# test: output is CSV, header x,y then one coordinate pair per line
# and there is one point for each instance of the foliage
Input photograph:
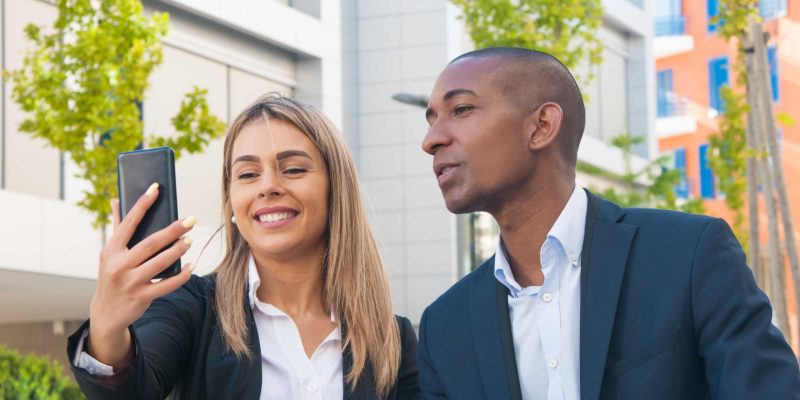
x,y
566,29
32,377
728,158
728,151
661,191
82,85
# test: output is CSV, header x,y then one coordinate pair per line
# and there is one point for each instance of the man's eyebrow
x,y
455,92
449,95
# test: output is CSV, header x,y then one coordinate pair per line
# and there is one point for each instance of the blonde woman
x,y
298,308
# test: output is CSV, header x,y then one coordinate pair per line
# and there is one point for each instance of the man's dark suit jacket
x,y
669,310
179,350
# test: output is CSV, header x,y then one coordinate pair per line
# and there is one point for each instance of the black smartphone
x,y
136,171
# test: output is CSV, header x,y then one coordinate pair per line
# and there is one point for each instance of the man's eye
x,y
247,175
462,109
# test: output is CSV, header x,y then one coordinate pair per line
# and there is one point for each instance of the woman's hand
x,y
124,288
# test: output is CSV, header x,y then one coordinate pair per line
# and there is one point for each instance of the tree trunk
x,y
760,112
754,256
771,141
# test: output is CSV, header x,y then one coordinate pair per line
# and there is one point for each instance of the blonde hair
x,y
355,282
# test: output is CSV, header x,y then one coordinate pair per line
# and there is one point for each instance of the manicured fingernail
x,y
187,240
189,266
189,222
152,189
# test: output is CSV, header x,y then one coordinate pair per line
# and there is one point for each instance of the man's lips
x,y
444,171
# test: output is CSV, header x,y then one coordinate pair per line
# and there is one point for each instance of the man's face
x,y
476,137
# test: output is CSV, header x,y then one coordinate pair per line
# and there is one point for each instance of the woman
x,y
298,308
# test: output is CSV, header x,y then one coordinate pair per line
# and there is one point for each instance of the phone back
x,y
136,171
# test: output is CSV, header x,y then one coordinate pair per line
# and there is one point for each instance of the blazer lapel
x,y
365,388
603,260
491,336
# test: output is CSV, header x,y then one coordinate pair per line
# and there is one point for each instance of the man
x,y
583,299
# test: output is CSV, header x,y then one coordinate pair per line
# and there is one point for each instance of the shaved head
x,y
530,78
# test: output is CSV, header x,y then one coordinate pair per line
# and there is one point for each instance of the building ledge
x,y
677,125
668,46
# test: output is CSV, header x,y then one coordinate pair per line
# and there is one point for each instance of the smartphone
x,y
136,171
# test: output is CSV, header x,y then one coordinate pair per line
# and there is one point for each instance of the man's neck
x,y
524,225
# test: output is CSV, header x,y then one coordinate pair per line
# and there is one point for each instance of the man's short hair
x,y
530,78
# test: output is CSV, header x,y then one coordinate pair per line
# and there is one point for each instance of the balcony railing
x,y
670,25
670,105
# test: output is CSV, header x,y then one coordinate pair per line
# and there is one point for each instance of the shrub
x,y
33,377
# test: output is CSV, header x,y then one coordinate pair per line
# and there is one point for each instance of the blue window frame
x,y
772,58
669,18
664,93
706,175
712,10
717,78
772,8
682,188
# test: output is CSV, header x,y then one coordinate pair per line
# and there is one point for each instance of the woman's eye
x,y
247,175
294,171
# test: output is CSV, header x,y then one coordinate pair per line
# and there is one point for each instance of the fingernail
x,y
152,189
189,266
189,222
187,240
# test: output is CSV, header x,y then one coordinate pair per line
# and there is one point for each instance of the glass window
x,y
772,58
682,188
706,175
664,94
717,78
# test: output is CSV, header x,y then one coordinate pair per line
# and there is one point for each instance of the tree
x,y
565,29
82,85
660,193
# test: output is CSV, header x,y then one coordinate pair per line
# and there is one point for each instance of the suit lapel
x,y
491,336
603,260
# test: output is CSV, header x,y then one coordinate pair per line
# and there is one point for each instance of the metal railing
x,y
670,25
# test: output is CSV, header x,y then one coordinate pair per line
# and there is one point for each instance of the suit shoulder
x,y
455,298
656,218
198,289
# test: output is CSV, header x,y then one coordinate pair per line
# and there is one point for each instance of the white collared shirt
x,y
545,320
286,370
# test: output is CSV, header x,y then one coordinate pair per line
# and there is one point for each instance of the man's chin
x,y
459,205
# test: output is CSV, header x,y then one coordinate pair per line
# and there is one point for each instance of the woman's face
x,y
279,190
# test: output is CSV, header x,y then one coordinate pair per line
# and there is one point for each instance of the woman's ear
x,y
544,125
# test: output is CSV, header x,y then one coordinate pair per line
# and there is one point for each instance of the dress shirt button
x,y
553,363
311,387
573,257
547,297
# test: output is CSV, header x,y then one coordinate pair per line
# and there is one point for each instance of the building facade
x,y
693,63
351,57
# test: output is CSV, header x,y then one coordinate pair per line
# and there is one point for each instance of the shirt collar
x,y
567,231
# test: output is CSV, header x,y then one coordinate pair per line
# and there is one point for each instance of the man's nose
x,y
436,137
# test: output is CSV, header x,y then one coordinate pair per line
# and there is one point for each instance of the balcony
x,y
671,37
674,117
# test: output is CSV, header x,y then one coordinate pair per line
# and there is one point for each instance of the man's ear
x,y
544,126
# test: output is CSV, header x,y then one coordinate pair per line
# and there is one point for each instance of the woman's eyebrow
x,y
292,153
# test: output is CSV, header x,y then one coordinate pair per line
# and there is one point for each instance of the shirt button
x,y
311,387
553,363
573,257
547,297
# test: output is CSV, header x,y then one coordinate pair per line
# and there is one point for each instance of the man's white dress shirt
x,y
545,320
